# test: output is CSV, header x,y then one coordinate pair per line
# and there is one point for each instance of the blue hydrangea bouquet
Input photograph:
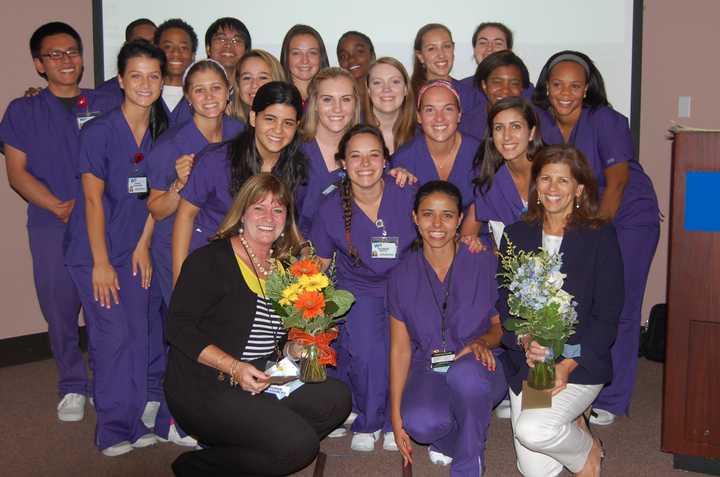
x,y
543,310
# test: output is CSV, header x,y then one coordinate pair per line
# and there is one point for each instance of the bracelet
x,y
176,187
234,382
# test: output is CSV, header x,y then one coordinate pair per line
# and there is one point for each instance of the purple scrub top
x,y
501,201
48,133
181,139
109,152
112,88
183,112
415,157
470,305
208,188
603,136
369,277
320,184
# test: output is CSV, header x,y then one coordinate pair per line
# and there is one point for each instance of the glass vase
x,y
311,371
542,376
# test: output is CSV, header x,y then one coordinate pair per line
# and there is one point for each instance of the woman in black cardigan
x,y
222,333
561,218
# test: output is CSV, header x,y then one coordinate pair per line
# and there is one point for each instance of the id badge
x,y
384,247
329,189
440,361
83,118
138,185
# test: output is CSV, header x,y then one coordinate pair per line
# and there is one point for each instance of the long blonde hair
x,y
238,109
254,190
310,121
404,127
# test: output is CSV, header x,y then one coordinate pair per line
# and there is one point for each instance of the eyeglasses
x,y
223,40
57,55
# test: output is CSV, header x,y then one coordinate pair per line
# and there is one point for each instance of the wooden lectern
x,y
691,404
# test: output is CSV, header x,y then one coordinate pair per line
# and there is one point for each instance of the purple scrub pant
x,y
451,411
119,350
637,247
60,305
362,362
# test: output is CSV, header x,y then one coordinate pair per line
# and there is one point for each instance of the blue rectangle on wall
x,y
702,204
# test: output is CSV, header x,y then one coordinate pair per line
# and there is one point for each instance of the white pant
x,y
546,440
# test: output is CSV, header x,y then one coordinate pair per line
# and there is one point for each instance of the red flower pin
x,y
82,101
139,156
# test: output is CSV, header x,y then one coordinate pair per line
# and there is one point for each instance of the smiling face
x,y
142,81
336,104
489,40
386,88
254,72
177,45
354,56
226,47
557,189
264,221
303,57
566,87
437,54
364,161
439,114
511,134
275,128
437,218
503,82
64,70
208,93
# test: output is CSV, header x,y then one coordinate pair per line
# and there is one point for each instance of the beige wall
x,y
678,60
20,313
675,35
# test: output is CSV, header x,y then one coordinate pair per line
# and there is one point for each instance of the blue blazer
x,y
594,269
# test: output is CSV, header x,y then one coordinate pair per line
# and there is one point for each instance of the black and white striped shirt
x,y
267,329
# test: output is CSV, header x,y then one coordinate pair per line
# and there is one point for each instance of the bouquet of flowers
x,y
543,309
310,306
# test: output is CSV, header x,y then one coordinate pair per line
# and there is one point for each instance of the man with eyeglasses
x,y
226,41
40,137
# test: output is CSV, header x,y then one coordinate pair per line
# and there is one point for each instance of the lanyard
x,y
442,309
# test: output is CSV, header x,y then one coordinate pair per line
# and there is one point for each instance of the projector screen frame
x,y
635,75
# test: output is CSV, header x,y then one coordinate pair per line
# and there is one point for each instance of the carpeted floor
x,y
34,443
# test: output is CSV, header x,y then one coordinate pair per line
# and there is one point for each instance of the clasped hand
x,y
535,352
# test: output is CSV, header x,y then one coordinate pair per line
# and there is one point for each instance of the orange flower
x,y
311,304
304,267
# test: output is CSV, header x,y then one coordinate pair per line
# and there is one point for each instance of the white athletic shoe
x,y
117,449
338,432
150,413
174,437
350,419
71,407
502,411
601,417
364,441
438,458
389,443
147,440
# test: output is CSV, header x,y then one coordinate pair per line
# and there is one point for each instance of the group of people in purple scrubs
x,y
407,181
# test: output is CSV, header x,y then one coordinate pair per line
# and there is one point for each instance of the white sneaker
x,y
117,449
174,437
502,411
150,413
601,417
147,440
338,432
389,443
71,407
364,441
350,419
438,458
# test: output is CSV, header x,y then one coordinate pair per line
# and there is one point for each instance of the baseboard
x,y
693,463
30,348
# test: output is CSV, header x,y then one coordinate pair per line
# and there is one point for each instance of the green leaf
x,y
343,299
512,324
